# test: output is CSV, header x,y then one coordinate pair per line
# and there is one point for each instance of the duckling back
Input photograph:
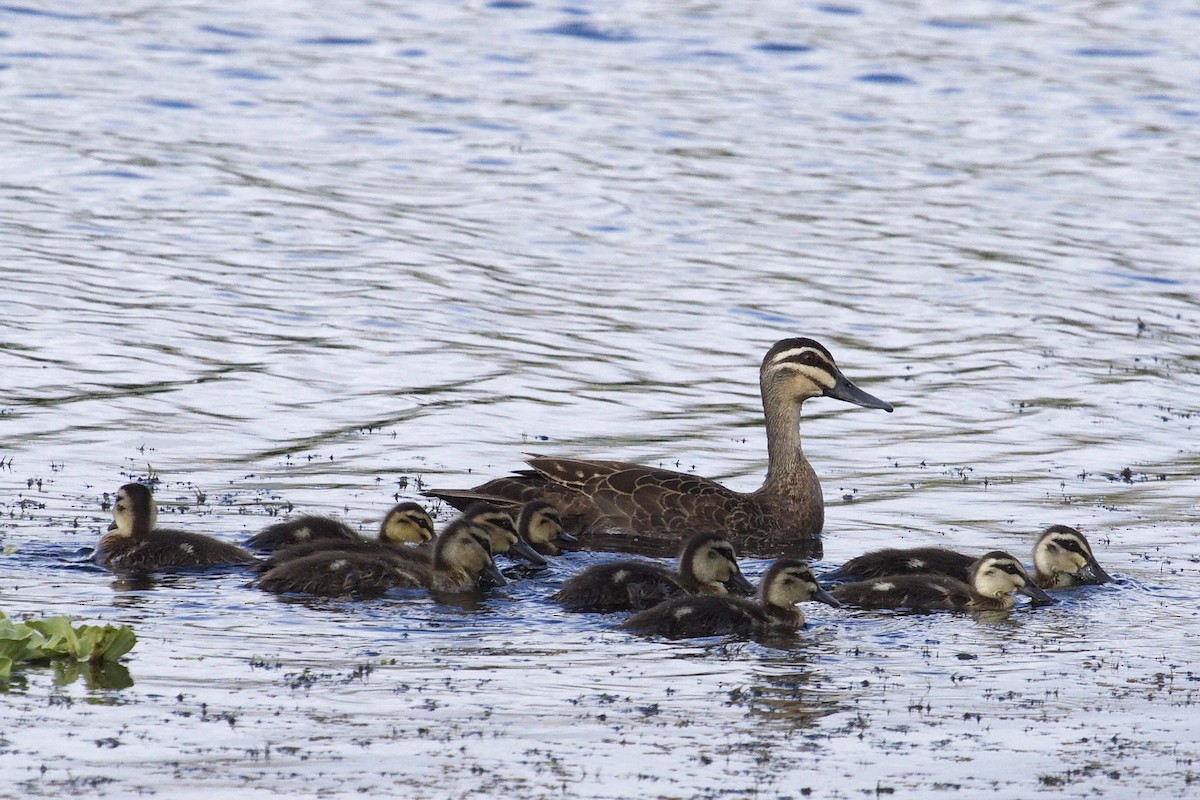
x,y
329,573
299,530
904,561
626,585
692,616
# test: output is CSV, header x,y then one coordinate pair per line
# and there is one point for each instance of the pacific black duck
x,y
1062,557
461,561
785,583
405,523
133,543
617,505
707,565
993,579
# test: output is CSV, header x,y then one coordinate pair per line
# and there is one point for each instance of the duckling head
x,y
465,547
498,526
710,559
406,523
135,513
541,524
790,581
1063,557
997,575
797,369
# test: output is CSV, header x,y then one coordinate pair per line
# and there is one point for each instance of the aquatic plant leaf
x,y
61,639
113,642
6,665
18,641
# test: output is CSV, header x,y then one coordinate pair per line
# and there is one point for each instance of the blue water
x,y
311,259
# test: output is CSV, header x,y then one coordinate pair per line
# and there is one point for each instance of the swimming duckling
x,y
461,561
786,583
134,544
405,523
1061,557
994,578
497,525
707,565
541,526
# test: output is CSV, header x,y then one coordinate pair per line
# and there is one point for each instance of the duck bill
x,y
1092,572
523,550
1036,594
847,392
565,538
738,584
822,596
492,575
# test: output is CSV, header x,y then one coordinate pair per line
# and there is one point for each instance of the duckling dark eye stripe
x,y
1070,544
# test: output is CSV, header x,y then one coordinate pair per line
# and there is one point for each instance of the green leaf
x,y
6,665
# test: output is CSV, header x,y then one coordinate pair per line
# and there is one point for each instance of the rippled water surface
x,y
304,257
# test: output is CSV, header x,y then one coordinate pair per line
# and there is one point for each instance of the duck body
x,y
406,531
133,543
994,577
707,565
329,573
787,582
616,505
1062,557
405,522
893,562
460,561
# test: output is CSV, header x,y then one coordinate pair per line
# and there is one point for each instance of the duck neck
x,y
785,458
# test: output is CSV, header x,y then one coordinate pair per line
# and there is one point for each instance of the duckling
x,y
612,502
1061,557
497,525
404,523
461,561
994,578
786,583
707,565
134,544
541,526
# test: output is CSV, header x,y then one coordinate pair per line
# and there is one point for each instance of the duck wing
x,y
916,592
904,561
618,586
606,501
700,615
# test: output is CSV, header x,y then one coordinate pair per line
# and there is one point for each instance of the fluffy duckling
x,y
461,561
405,523
406,527
134,544
786,583
541,526
707,565
1062,557
994,578
497,525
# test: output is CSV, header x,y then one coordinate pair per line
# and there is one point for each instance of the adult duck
x,y
616,505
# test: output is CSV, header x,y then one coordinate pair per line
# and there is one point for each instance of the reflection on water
x,y
289,262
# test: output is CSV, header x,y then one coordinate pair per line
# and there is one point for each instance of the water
x,y
285,259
